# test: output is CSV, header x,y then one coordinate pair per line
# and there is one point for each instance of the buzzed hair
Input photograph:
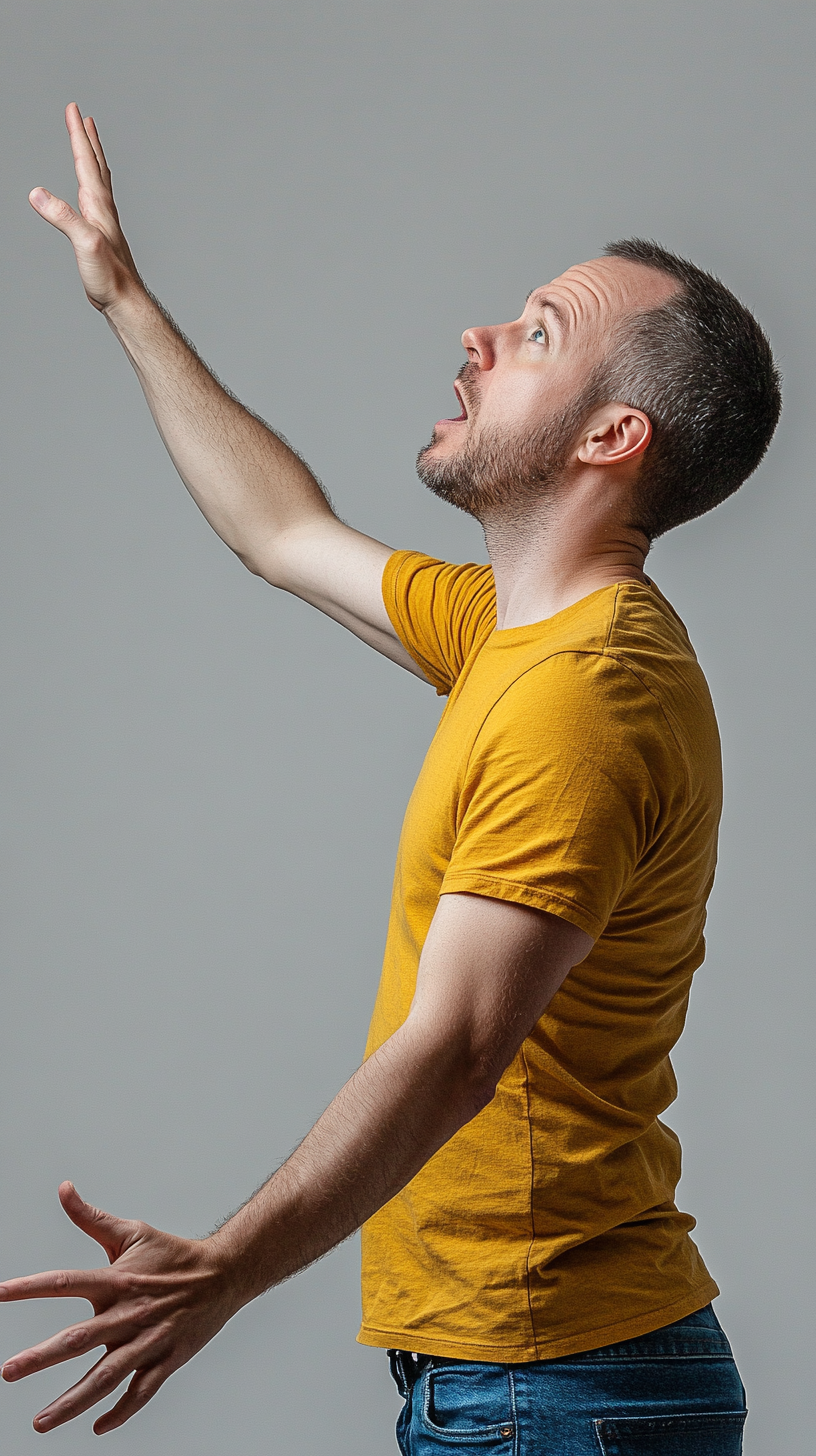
x,y
702,369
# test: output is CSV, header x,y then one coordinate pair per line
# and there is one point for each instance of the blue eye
x,y
539,336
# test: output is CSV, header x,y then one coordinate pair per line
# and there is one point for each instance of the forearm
x,y
247,481
488,971
255,491
397,1110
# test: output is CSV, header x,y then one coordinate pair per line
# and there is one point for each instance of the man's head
x,y
638,361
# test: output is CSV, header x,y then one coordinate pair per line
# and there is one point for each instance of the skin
x,y
488,969
546,557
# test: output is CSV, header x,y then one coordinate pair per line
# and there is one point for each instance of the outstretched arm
x,y
487,972
255,491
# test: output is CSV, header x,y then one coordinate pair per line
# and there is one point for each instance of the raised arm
x,y
487,972
255,491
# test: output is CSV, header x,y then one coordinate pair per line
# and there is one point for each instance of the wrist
x,y
236,1262
131,309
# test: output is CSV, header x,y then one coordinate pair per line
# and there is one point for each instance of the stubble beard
x,y
501,470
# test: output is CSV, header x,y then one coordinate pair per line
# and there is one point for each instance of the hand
x,y
105,262
161,1300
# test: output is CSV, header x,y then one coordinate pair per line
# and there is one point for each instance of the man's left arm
x,y
488,971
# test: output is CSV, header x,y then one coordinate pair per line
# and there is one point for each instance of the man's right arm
x,y
255,491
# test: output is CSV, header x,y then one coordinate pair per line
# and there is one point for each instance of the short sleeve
x,y
439,611
569,779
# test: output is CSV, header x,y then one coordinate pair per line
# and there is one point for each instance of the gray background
x,y
204,781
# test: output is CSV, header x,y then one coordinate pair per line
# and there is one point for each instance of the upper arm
x,y
564,790
489,969
339,571
425,614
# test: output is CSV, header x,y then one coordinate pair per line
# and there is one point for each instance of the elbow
x,y
477,1081
252,563
454,1066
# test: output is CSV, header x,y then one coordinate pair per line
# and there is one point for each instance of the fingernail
x,y
43,1423
40,195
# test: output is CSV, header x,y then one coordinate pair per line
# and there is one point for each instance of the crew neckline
x,y
510,634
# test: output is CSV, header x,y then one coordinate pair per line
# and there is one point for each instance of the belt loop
x,y
396,1360
406,1369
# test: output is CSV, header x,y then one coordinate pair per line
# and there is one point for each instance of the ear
x,y
614,433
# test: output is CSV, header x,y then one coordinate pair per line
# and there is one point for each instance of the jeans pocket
x,y
465,1403
708,1433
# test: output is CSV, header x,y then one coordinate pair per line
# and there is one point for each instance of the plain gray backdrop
x,y
204,781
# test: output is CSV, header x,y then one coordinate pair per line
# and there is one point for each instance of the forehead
x,y
598,292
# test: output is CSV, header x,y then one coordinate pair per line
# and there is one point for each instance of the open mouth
x,y
454,419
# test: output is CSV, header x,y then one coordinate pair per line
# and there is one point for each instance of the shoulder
x,y
583,719
583,697
439,610
569,684
621,655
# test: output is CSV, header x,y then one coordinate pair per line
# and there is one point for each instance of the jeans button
x,y
505,1430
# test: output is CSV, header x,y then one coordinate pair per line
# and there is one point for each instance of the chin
x,y
440,450
441,472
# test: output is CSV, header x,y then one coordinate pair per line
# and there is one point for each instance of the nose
x,y
480,344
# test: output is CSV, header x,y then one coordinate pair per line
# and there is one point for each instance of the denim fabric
x,y
675,1392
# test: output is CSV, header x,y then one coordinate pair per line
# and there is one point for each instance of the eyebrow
x,y
548,303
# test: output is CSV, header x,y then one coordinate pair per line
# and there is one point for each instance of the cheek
x,y
521,400
517,403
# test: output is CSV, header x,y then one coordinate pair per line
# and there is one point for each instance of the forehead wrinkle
x,y
595,293
568,309
587,293
624,285
543,302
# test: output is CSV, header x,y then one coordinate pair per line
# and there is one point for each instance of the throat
x,y
540,568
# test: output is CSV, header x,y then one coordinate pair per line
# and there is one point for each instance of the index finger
x,y
88,171
60,1284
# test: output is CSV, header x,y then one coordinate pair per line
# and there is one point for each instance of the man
x,y
524,1260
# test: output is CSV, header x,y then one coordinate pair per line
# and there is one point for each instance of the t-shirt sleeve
x,y
567,785
439,611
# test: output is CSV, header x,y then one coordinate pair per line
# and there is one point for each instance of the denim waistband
x,y
699,1334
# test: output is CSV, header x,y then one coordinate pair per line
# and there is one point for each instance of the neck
x,y
550,554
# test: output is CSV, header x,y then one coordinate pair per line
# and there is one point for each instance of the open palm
x,y
160,1300
105,261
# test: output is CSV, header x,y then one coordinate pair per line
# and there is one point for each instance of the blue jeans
x,y
675,1392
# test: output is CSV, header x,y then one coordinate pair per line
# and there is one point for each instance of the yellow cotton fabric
x,y
576,768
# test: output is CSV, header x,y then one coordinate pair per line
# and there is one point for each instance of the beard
x,y
501,470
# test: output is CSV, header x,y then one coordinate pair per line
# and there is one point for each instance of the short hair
x,y
702,369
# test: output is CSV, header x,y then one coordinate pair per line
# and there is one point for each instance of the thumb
x,y
59,214
114,1234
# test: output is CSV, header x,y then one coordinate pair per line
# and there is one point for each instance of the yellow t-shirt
x,y
576,768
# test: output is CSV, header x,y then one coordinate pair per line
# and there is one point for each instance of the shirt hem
x,y
523,1353
495,887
